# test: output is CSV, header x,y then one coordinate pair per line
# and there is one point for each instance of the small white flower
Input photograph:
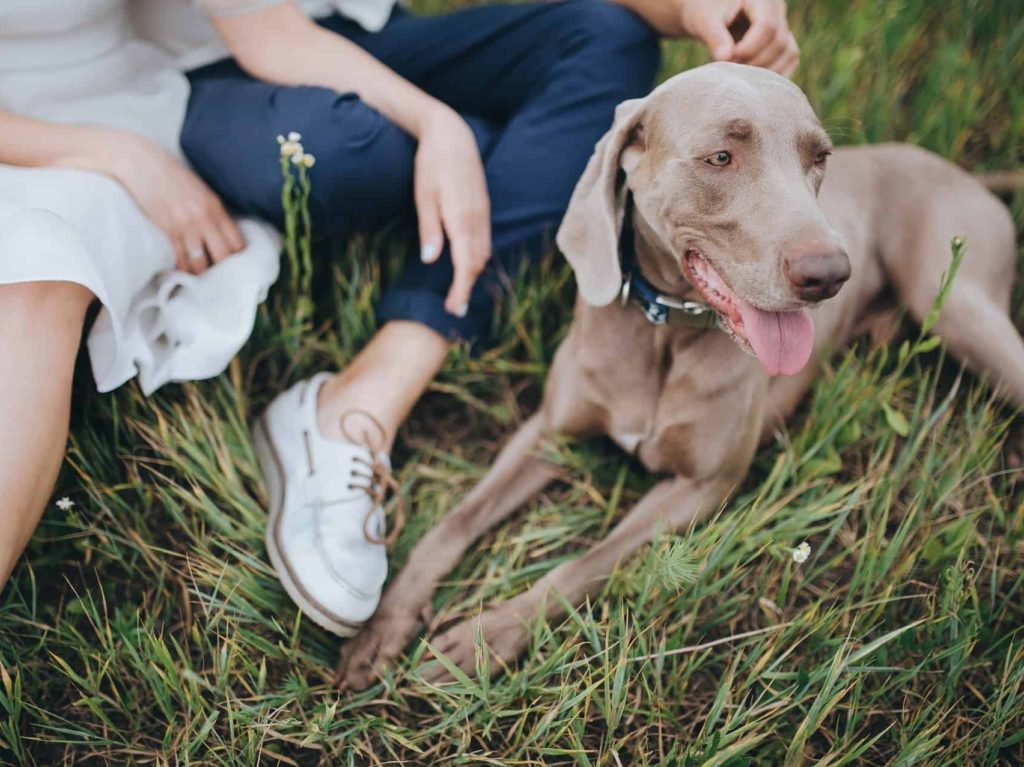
x,y
293,136
802,552
308,160
280,139
288,148
65,504
299,157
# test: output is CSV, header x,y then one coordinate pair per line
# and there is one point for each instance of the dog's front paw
x,y
364,657
502,632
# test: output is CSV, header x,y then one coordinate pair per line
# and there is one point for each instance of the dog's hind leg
x,y
982,336
975,321
519,472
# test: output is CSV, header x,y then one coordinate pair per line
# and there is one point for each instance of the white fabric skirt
x,y
159,324
77,63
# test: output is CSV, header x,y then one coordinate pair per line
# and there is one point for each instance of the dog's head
x,y
724,163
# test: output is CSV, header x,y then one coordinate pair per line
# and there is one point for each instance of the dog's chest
x,y
630,394
630,373
664,394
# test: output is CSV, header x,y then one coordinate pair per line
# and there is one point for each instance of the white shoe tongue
x,y
782,341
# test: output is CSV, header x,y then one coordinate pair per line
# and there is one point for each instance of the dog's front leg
x,y
504,627
519,472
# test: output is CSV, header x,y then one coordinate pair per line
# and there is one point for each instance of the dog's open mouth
x,y
781,341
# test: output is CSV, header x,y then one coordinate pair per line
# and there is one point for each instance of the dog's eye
x,y
822,157
719,159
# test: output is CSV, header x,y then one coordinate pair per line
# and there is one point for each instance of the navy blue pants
x,y
537,83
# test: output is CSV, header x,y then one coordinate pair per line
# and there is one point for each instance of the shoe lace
x,y
374,478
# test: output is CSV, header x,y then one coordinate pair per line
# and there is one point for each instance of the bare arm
x,y
170,195
35,143
280,44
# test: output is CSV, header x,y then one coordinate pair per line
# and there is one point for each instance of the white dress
x,y
75,61
183,29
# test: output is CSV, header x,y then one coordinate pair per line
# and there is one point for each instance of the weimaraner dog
x,y
716,265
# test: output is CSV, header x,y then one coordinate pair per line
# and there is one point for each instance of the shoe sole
x,y
273,474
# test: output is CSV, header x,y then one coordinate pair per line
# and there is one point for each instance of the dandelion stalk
x,y
298,225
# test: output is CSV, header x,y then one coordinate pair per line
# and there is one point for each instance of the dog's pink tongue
x,y
782,341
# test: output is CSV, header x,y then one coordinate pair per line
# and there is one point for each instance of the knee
x,y
32,305
615,40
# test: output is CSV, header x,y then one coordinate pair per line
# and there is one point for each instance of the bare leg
x,y
385,380
40,329
670,505
517,475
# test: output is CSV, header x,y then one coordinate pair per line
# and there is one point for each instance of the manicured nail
x,y
427,253
462,310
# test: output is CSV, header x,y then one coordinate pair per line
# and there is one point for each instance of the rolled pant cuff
x,y
428,309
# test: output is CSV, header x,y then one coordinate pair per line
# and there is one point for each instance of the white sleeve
x,y
235,7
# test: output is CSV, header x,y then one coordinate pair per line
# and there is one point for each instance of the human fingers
x,y
181,262
790,59
772,55
711,28
768,30
431,231
196,257
468,259
229,231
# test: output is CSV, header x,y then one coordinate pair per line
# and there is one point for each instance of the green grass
x,y
146,627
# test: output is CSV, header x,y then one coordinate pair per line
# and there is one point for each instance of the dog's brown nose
x,y
817,276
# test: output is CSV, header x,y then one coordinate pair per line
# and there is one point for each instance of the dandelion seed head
x,y
802,552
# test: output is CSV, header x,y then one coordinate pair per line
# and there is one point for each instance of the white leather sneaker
x,y
326,523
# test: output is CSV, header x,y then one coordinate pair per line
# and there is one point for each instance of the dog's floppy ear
x,y
589,235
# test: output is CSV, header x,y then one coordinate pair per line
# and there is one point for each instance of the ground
x,y
146,627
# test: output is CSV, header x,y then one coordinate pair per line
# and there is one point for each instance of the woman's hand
x,y
171,195
176,200
451,200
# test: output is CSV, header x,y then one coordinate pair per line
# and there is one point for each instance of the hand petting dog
x,y
753,32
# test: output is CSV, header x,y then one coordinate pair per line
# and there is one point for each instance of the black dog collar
x,y
658,308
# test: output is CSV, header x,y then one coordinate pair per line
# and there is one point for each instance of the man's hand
x,y
452,201
745,31
280,44
764,39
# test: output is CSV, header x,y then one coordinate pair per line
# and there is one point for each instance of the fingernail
x,y
462,310
427,253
